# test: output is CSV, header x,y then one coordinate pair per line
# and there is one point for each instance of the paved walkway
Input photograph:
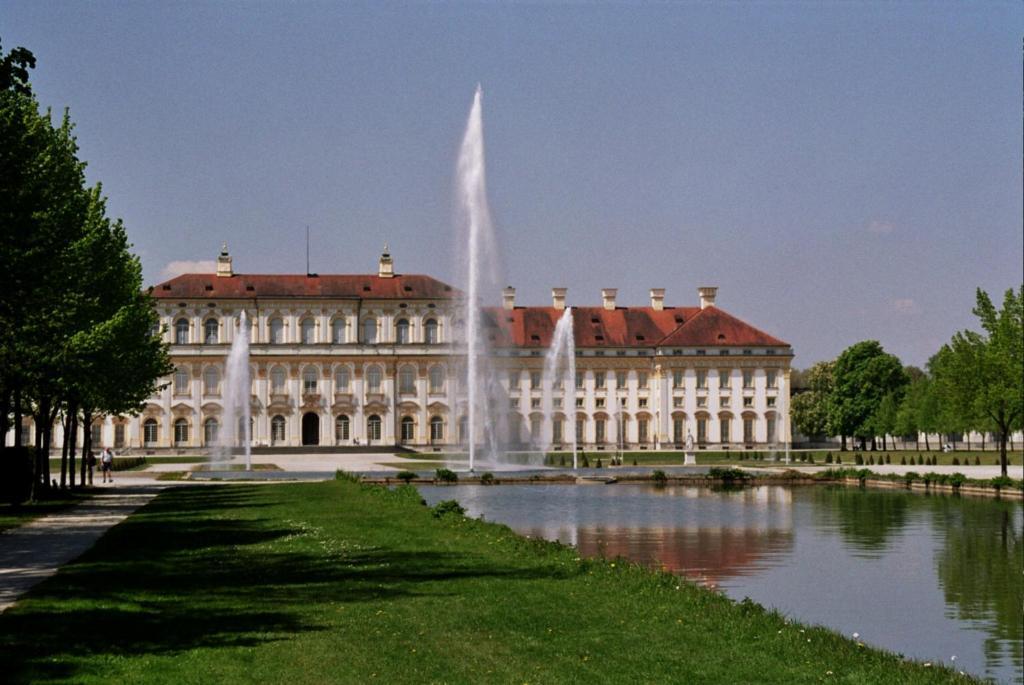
x,y
33,552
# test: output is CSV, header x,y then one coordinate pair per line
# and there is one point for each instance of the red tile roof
x,y
531,327
370,287
626,327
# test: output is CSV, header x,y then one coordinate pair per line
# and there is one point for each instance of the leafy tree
x,y
14,68
863,374
980,376
809,408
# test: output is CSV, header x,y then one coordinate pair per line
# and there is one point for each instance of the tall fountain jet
x,y
560,372
479,265
237,388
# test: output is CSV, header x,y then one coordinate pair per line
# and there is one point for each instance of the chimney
x,y
608,297
224,262
707,296
558,297
386,268
657,299
508,298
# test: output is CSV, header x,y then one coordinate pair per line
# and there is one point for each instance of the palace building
x,y
347,360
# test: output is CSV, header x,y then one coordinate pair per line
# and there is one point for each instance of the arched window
x,y
581,425
643,429
341,426
748,429
402,332
180,381
180,432
373,427
678,430
277,331
436,429
211,331
535,428
211,431
150,432
408,429
430,332
241,435
436,377
341,379
308,331
724,421
556,430
277,379
309,378
407,380
370,331
277,430
181,332
338,331
211,380
373,379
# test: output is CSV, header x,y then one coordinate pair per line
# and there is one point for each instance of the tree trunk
x,y
64,455
1002,451
86,434
5,411
17,416
73,438
927,446
843,447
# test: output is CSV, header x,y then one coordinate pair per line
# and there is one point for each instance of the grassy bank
x,y
339,582
12,516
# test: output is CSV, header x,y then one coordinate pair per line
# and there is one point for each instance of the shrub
x,y
634,461
727,474
443,475
586,462
810,458
858,460
346,476
405,476
903,460
828,458
888,459
487,478
839,459
561,460
957,479
446,507
871,460
1002,482
659,477
909,477
956,462
920,460
977,461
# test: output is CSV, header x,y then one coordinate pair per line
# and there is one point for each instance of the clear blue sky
x,y
841,171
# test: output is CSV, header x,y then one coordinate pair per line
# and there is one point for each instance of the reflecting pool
x,y
931,577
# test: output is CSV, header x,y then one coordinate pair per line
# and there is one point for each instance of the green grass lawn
x,y
13,516
341,583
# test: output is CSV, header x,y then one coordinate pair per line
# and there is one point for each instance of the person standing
x,y
107,465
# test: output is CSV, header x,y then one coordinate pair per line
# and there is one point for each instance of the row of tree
x,y
975,382
77,325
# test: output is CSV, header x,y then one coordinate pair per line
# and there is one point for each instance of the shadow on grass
x,y
189,572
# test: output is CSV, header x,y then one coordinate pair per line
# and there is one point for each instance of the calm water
x,y
926,576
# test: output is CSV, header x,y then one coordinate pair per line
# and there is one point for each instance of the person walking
x,y
107,465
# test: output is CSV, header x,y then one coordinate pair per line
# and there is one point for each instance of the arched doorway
x,y
310,429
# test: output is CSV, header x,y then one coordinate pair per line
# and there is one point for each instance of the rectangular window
x,y
677,378
723,427
149,432
556,431
702,430
748,379
724,378
599,377
677,401
599,429
557,402
771,401
620,379
535,380
97,435
641,380
514,403
643,426
702,401
579,402
771,429
513,380
535,403
702,379
579,381
748,430
408,431
771,377
642,402
580,425
599,402
119,435
677,431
